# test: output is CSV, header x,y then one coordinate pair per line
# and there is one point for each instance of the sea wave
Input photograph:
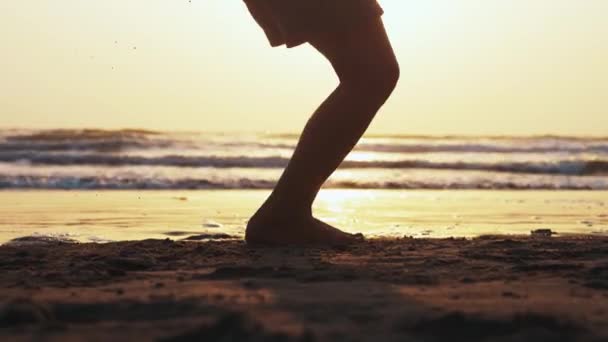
x,y
133,139
577,167
488,147
143,159
83,140
159,183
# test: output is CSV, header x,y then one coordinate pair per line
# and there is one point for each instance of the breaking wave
x,y
560,167
55,159
142,183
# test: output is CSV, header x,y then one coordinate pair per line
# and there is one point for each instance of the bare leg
x,y
368,71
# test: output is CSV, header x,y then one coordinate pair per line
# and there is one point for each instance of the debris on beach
x,y
210,236
542,233
41,239
178,233
212,224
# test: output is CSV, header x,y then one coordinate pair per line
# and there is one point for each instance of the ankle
x,y
283,209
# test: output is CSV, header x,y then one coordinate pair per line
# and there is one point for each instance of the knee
x,y
388,77
375,82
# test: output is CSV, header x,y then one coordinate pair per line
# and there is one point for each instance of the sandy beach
x,y
489,288
461,146
159,265
129,215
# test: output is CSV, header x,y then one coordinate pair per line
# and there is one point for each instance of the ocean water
x,y
139,159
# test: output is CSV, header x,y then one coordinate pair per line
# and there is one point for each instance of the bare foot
x,y
307,230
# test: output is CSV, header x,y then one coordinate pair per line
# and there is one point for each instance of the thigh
x,y
363,48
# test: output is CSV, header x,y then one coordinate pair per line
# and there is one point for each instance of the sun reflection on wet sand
x,y
102,216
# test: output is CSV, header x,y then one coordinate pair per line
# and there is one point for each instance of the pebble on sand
x,y
544,232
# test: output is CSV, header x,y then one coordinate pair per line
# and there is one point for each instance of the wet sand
x,y
490,288
109,216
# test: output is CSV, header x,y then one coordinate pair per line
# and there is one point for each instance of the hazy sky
x,y
468,67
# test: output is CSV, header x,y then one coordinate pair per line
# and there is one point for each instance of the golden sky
x,y
468,67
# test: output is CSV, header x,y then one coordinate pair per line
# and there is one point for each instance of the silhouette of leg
x,y
365,64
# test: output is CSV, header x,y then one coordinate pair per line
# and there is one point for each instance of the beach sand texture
x,y
483,289
172,265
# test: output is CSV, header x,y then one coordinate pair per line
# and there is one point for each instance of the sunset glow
x,y
469,67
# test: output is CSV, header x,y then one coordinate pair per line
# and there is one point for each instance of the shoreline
x,y
487,288
93,216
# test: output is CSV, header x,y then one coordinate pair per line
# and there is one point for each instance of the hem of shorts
x,y
288,45
292,43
